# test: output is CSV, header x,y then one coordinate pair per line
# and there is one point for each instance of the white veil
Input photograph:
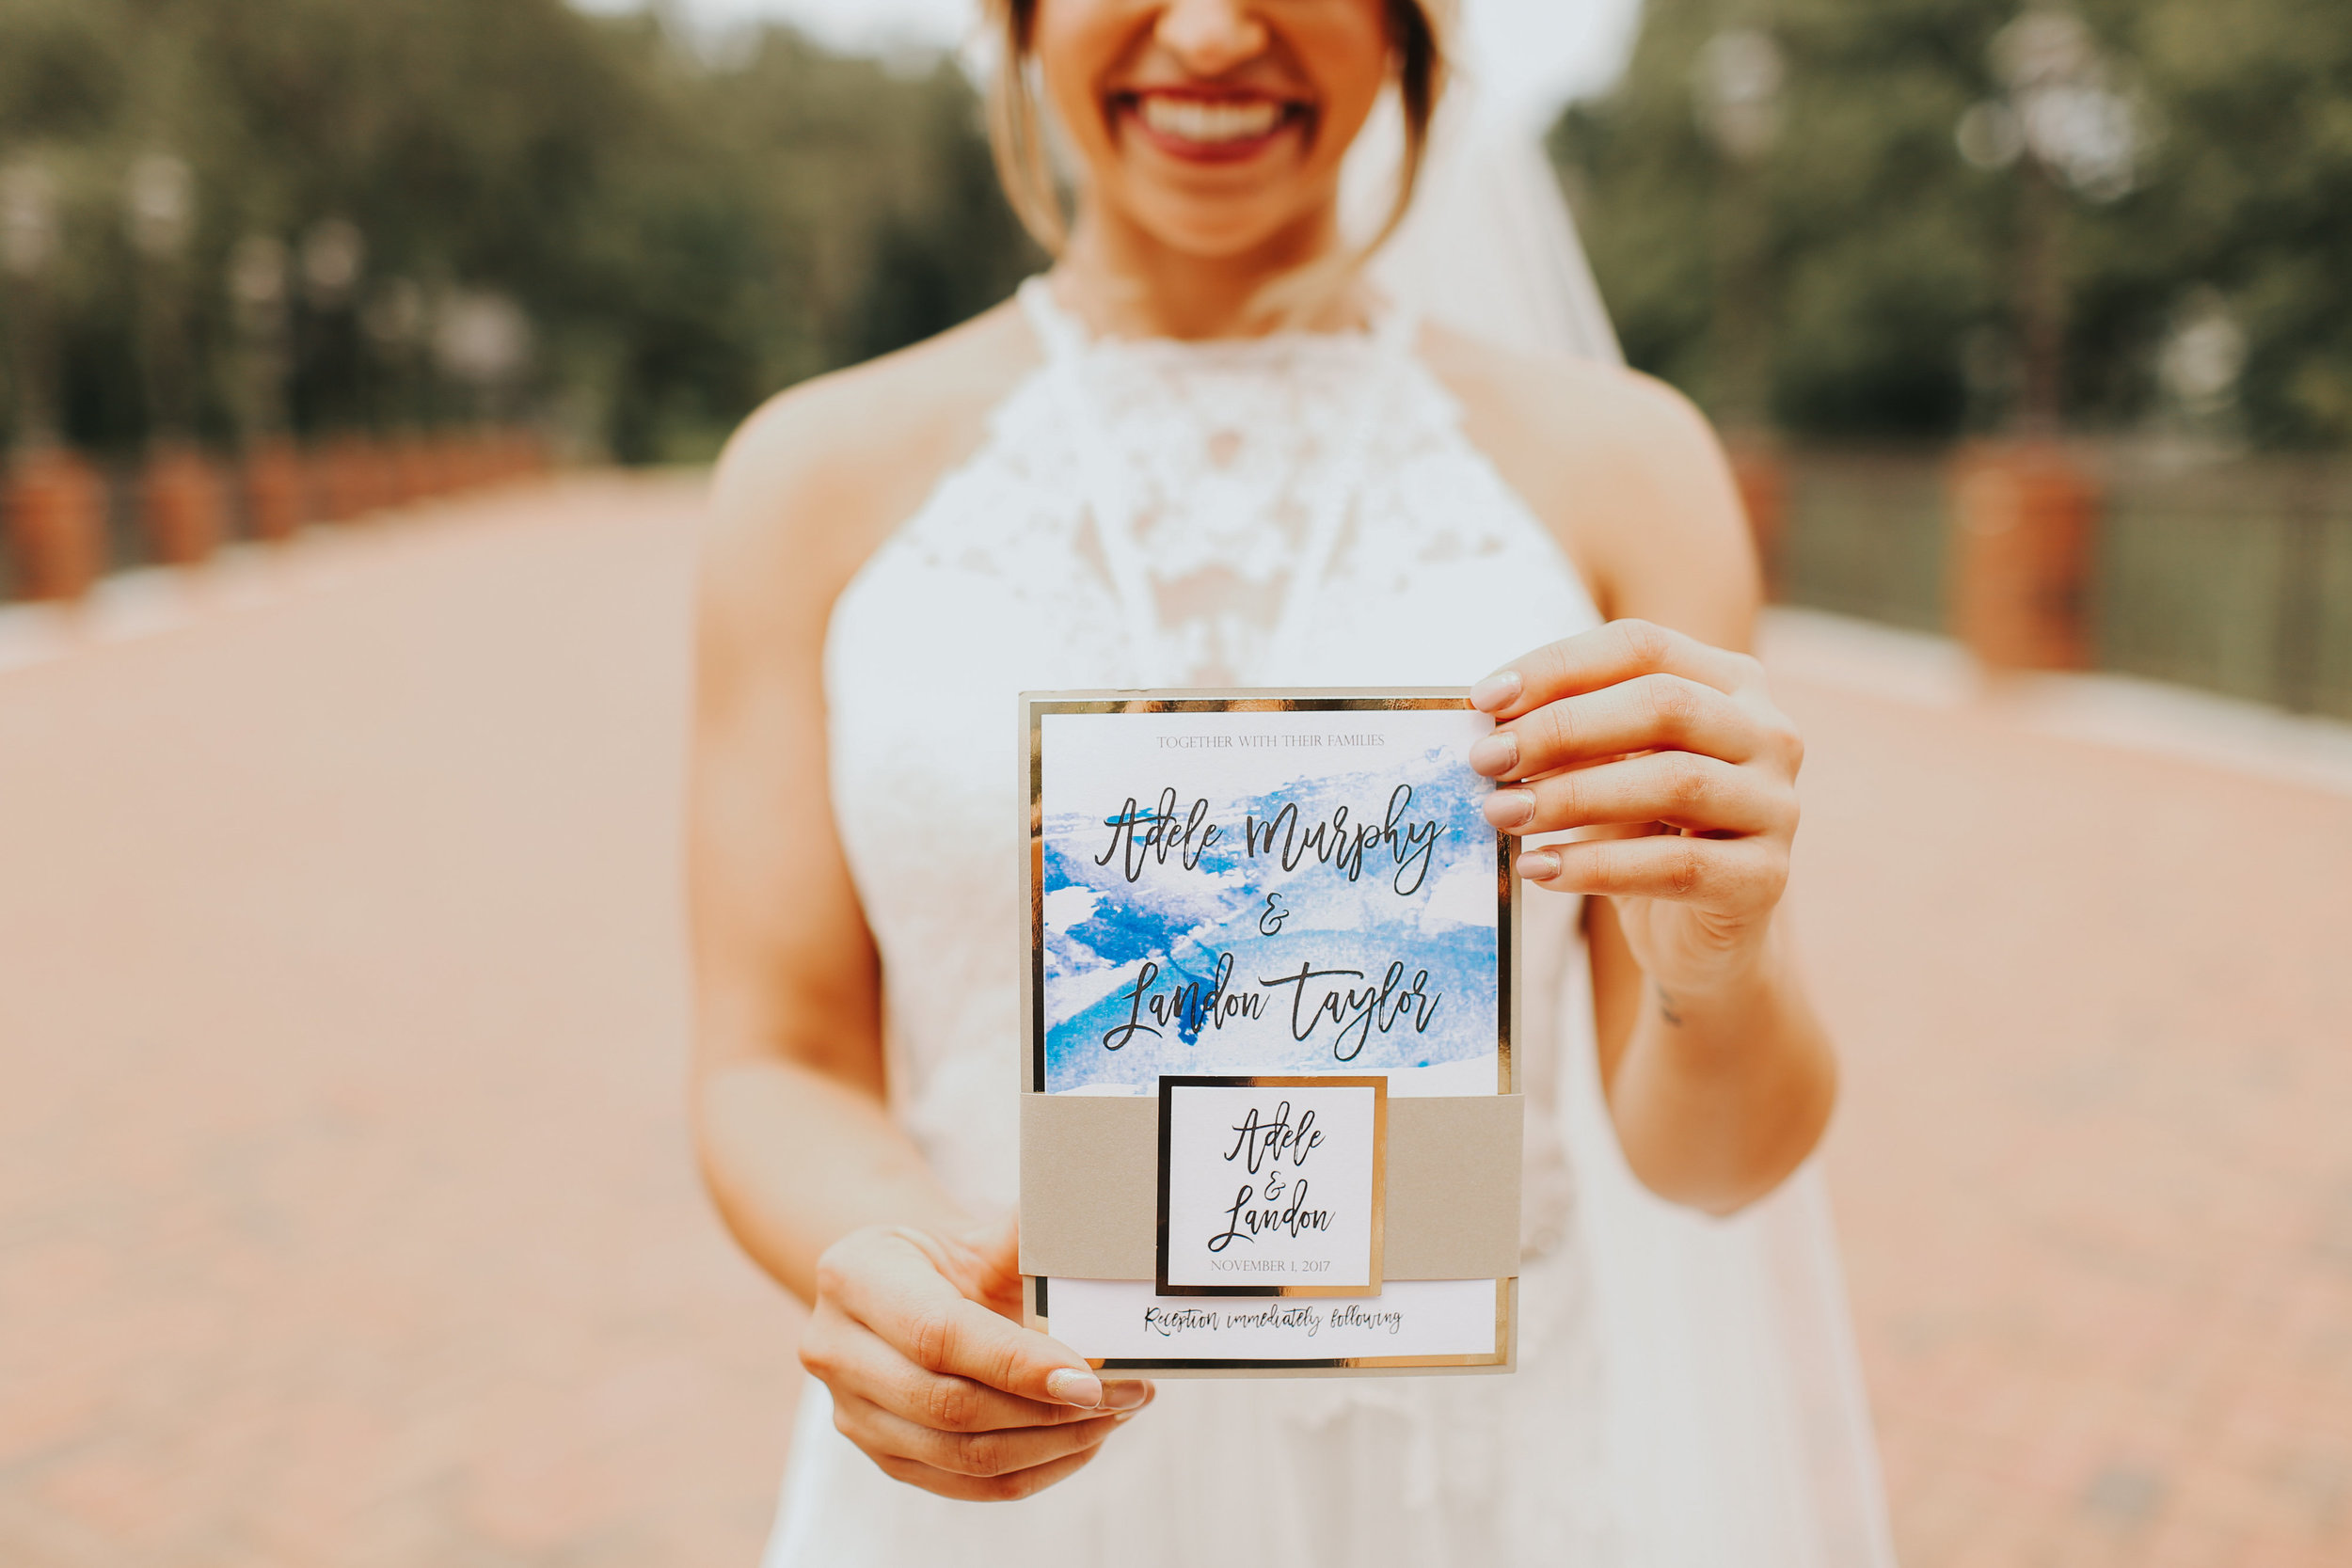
x,y
1739,1431
1489,247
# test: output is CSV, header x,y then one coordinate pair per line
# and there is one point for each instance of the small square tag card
x,y
1242,1213
1270,1123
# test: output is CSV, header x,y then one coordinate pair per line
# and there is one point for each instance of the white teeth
x,y
1196,120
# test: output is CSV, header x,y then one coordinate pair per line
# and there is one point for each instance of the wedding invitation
x,y
1270,1123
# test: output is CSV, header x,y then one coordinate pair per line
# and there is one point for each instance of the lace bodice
x,y
1219,477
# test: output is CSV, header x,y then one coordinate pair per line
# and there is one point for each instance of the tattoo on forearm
x,y
1666,1004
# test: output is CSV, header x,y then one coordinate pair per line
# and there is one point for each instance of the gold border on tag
x,y
1379,1087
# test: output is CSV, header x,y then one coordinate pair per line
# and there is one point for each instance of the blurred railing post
x,y
56,523
274,489
54,501
180,501
2025,525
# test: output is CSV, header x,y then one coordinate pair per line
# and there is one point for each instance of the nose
x,y
1210,37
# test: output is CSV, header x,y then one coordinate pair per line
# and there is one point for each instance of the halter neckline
x,y
1065,336
1075,358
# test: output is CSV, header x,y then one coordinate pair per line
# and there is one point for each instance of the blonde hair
x,y
1016,119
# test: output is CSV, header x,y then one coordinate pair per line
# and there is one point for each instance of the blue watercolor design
x,y
1102,931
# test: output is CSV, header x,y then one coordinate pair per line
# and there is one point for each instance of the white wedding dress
x,y
1297,510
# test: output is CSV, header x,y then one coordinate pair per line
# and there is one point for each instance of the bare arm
x,y
912,1298
1656,739
1716,1105
788,1113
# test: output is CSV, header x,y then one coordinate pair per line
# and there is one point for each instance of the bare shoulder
x,y
1626,472
819,477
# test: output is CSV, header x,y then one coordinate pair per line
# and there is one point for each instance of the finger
x,y
1620,651
969,1453
986,1489
900,1296
1724,875
1648,713
854,1361
1701,794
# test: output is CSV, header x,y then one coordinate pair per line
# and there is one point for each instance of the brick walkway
x,y
347,1217
345,1210
2092,1170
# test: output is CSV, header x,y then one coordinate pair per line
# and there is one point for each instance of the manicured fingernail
x,y
1124,1415
1072,1387
1497,754
1539,865
1125,1396
1496,690
1511,808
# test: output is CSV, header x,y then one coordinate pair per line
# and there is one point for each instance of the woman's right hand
x,y
912,1333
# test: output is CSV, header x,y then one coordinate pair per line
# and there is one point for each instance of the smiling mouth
x,y
1216,129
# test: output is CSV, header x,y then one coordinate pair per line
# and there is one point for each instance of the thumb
x,y
937,1324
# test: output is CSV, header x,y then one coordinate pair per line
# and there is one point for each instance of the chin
x,y
1216,230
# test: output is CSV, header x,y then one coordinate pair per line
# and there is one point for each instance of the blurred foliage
x,y
687,230
1888,262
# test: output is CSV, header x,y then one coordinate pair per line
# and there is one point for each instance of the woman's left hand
x,y
1635,727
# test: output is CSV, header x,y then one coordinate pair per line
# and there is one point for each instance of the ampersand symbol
x,y
1270,921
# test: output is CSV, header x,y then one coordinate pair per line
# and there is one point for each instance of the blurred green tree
x,y
685,231
1890,260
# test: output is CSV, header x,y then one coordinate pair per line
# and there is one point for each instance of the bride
x,y
1207,450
